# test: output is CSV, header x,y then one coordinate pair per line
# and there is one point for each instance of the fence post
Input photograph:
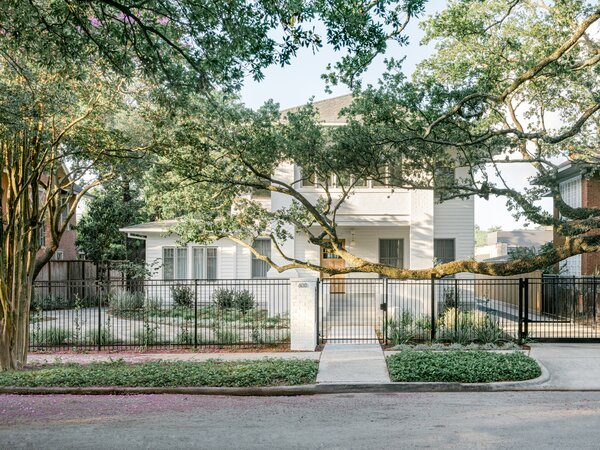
x,y
195,313
594,296
526,307
456,307
385,309
520,330
432,307
100,319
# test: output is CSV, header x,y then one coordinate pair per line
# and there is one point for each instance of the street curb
x,y
312,389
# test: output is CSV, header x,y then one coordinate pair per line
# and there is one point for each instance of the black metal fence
x,y
159,313
458,310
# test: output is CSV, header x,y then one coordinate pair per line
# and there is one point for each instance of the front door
x,y
328,259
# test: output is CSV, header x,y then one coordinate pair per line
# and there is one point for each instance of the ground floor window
x,y
391,252
175,263
260,268
444,250
204,263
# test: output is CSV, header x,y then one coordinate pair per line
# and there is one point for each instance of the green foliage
x,y
262,335
49,302
242,300
266,372
185,335
122,302
105,337
224,335
182,296
109,209
463,327
461,366
224,298
148,336
51,336
407,327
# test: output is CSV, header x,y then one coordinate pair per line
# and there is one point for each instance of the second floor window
x,y
260,268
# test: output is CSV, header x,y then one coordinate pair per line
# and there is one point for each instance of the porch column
x,y
303,313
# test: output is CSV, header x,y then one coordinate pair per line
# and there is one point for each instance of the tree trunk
x,y
14,336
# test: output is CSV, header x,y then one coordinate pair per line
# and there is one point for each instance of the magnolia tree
x,y
510,83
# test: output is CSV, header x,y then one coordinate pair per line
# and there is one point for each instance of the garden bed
x,y
267,372
455,366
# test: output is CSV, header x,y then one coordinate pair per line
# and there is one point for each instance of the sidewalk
x,y
352,364
133,357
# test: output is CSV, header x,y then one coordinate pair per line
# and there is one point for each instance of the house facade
x,y
404,228
578,191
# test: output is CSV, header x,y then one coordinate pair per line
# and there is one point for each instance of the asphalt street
x,y
549,420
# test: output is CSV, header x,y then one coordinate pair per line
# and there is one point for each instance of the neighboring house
x,y
404,228
500,244
66,248
577,191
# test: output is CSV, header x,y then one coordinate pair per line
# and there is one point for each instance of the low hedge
x,y
461,366
267,372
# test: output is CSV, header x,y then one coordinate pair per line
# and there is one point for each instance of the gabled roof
x,y
329,109
159,226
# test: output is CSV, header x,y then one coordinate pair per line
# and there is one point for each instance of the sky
x,y
298,82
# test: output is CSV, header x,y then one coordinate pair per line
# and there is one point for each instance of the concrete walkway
x,y
571,366
86,358
352,364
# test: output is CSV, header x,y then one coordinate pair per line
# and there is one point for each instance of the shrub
x,y
48,302
224,298
147,336
152,304
122,301
406,327
52,336
243,301
461,366
225,336
463,327
262,335
182,296
450,299
105,337
185,335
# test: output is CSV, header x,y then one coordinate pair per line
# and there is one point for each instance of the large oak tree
x,y
510,83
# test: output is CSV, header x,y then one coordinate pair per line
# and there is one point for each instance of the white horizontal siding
x,y
455,219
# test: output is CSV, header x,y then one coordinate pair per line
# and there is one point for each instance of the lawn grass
x,y
461,366
267,372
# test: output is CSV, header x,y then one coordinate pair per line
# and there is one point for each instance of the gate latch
x,y
383,306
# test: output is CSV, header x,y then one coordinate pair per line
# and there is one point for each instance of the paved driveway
x,y
532,420
571,366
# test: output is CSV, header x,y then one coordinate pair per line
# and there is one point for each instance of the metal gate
x,y
352,310
547,309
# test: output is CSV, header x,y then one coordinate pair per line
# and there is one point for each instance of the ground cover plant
x,y
461,366
266,372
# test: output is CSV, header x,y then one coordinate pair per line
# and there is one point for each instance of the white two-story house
x,y
405,228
